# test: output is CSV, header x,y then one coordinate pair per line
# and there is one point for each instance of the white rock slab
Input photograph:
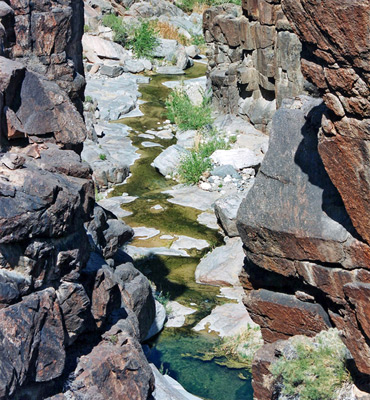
x,y
146,136
159,320
150,144
157,207
192,196
187,243
144,233
103,48
208,219
169,160
166,237
238,158
139,252
232,293
166,388
222,266
226,320
177,314
113,204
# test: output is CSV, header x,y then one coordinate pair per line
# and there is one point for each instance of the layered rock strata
x,y
46,37
72,311
304,223
254,59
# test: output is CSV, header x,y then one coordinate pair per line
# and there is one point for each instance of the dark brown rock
x,y
46,37
31,342
115,369
281,316
108,233
75,307
343,53
262,48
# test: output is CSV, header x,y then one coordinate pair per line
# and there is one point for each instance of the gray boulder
x,y
111,70
166,48
108,234
133,66
225,170
222,266
226,210
192,51
169,160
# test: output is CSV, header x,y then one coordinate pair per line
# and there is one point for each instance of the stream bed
x,y
172,350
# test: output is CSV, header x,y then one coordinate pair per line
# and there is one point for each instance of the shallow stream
x,y
171,350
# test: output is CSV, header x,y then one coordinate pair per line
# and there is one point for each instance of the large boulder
x,y
32,341
55,50
298,238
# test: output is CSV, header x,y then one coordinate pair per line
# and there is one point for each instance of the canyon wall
x,y
254,59
305,223
72,310
46,37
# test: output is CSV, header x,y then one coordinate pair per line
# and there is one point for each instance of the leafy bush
x,y
144,39
317,369
102,157
193,165
185,114
116,24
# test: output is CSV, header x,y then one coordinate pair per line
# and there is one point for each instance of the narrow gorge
x,y
183,200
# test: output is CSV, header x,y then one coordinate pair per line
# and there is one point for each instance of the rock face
x,y
63,309
46,37
254,59
307,242
304,256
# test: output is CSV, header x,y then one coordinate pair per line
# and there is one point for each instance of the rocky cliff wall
x,y
46,37
305,222
254,59
72,309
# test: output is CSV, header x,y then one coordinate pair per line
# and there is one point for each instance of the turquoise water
x,y
173,349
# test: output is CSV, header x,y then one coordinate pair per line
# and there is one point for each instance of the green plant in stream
x,y
194,164
181,111
162,298
316,370
143,39
116,24
236,351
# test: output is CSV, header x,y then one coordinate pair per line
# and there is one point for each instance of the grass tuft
x,y
116,24
144,39
193,165
316,370
181,111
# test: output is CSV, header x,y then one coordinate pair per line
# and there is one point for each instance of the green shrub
x,y
86,28
198,40
181,111
143,40
102,156
116,24
317,369
88,99
193,165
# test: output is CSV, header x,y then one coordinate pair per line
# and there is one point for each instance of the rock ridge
x,y
304,223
